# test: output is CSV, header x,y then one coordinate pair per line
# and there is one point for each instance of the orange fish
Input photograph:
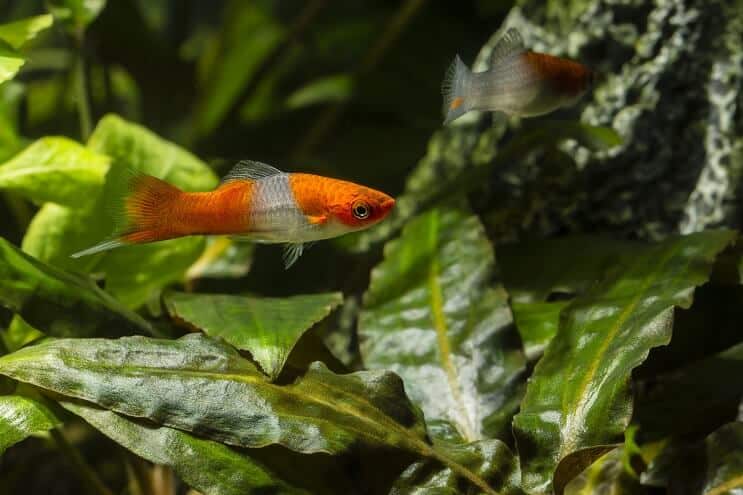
x,y
519,82
255,201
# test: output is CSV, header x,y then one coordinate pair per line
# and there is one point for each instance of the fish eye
x,y
361,210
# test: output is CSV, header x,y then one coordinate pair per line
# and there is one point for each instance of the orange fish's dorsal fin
x,y
250,170
510,45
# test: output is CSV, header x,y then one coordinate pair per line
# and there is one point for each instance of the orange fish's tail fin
x,y
455,89
139,206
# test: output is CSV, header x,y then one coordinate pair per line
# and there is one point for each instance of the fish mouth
x,y
387,204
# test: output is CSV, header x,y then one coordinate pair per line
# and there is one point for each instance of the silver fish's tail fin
x,y
455,89
138,205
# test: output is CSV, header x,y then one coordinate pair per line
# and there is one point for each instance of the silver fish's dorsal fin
x,y
292,252
509,45
247,169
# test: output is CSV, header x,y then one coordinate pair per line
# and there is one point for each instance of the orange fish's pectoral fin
x,y
317,219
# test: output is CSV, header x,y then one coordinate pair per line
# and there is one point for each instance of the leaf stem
x,y
82,88
84,471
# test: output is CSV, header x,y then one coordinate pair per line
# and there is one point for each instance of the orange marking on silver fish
x,y
456,103
565,76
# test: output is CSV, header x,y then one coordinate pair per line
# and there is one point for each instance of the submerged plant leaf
x,y
715,467
337,87
700,389
21,417
18,33
14,35
58,302
201,385
490,459
431,316
606,475
78,13
268,328
537,323
55,169
204,386
222,258
208,466
10,63
578,401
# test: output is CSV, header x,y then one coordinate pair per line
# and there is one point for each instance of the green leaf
x,y
16,34
606,475
131,145
714,469
79,13
201,385
335,88
21,417
530,276
702,390
10,63
268,328
431,316
178,383
490,459
57,231
537,323
578,401
55,169
222,258
57,302
207,466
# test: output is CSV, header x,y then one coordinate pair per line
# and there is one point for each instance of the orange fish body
x,y
256,202
519,82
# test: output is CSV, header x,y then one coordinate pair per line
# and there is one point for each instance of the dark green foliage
x,y
466,345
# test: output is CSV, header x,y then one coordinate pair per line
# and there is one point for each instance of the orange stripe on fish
x,y
562,74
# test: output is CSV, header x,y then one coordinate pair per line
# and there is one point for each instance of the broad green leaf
x,y
57,231
208,466
706,391
531,276
337,87
578,401
10,63
58,302
222,258
177,383
131,145
431,315
537,323
490,459
268,328
79,13
606,475
21,417
714,469
55,169
16,34
201,385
